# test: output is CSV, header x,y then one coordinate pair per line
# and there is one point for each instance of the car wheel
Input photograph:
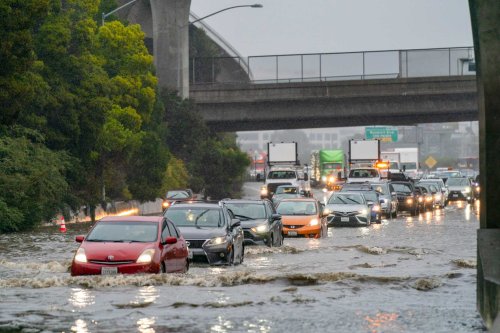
x,y
186,267
395,214
163,267
271,241
282,238
231,258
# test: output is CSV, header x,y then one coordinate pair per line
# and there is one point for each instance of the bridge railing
x,y
314,67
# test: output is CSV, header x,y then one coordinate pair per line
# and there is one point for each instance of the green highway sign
x,y
386,134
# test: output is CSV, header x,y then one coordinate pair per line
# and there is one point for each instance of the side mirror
x,y
326,212
306,177
394,193
170,240
235,223
79,238
276,217
370,203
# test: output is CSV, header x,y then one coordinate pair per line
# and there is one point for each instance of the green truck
x,y
328,167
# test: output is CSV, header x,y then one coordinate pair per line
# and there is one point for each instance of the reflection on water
x,y
80,327
81,298
222,326
144,325
467,211
147,294
382,322
262,326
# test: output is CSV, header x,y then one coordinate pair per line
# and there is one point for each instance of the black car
x,y
407,198
210,230
259,220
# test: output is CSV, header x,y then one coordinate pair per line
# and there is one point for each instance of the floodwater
x,y
404,275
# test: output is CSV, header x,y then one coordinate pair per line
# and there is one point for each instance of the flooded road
x,y
404,275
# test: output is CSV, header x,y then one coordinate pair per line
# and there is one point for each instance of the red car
x,y
131,244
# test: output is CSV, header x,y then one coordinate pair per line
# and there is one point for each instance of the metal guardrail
x,y
315,67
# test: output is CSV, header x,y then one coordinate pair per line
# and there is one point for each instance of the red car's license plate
x,y
109,270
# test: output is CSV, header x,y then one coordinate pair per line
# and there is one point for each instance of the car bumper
x,y
458,196
301,231
252,238
356,220
97,269
215,255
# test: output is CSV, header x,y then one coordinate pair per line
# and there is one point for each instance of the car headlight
x,y
363,211
263,190
376,208
146,257
409,201
428,199
217,241
331,179
478,189
165,204
438,196
323,178
467,190
260,228
313,222
420,199
80,256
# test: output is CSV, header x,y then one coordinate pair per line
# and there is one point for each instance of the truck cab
x,y
278,176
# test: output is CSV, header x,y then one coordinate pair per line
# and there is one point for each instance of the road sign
x,y
430,162
385,134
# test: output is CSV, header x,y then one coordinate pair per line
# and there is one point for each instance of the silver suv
x,y
441,187
388,198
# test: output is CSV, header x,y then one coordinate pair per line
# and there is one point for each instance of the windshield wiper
x,y
244,217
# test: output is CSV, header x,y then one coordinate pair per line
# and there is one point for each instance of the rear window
x,y
363,173
296,208
177,195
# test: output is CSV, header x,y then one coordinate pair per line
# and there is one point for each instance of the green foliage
x,y
32,179
176,176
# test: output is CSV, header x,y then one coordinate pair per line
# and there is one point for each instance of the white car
x,y
348,208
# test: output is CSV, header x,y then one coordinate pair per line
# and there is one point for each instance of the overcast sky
x,y
310,26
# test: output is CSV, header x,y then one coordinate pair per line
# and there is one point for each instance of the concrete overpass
x,y
408,101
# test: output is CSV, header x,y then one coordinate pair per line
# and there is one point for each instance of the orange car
x,y
302,217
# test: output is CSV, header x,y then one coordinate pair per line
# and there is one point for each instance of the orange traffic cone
x,y
62,228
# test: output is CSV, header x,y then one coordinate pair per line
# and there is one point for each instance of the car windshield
x,y
346,198
451,174
371,196
247,211
287,190
457,182
199,217
177,195
282,175
404,188
118,231
363,173
332,166
296,208
393,165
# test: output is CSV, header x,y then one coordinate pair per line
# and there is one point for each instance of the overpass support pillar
x,y
486,32
171,44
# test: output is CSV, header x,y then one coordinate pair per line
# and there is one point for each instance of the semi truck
x,y
329,167
283,168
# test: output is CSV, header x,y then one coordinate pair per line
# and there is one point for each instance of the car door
x,y
168,254
273,226
180,247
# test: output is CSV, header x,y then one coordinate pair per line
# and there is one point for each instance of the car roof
x,y
132,218
195,204
250,201
299,199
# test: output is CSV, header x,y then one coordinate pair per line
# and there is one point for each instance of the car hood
x,y
458,188
297,219
120,251
345,208
202,233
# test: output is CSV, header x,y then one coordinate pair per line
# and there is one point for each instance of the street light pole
x,y
257,5
115,10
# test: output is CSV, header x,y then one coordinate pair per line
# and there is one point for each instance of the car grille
x,y
293,226
100,262
344,214
196,243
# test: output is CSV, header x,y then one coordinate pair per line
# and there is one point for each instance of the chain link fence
x,y
334,66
